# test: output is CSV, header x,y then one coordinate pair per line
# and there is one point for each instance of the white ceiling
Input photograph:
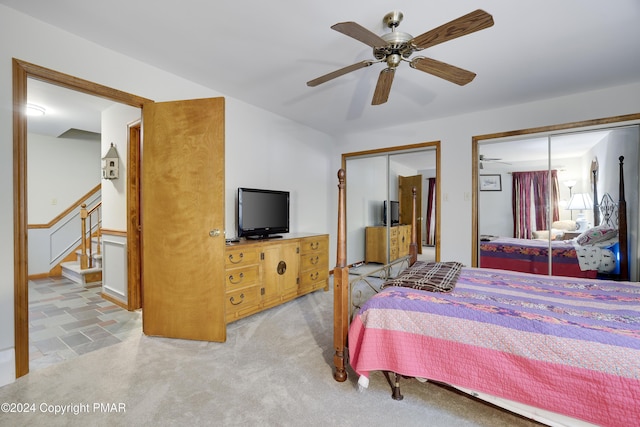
x,y
64,109
263,53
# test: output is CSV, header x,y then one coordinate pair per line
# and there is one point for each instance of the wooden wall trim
x,y
388,150
558,127
109,232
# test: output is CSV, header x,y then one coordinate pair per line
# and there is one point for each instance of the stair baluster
x,y
86,260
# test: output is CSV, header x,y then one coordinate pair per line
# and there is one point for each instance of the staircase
x,y
87,267
73,269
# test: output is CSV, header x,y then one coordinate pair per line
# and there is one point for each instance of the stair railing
x,y
86,257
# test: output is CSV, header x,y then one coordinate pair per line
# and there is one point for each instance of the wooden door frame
x,y
134,227
399,150
21,72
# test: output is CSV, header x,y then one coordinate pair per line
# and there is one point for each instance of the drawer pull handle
x,y
232,260
315,246
314,276
240,277
315,260
236,303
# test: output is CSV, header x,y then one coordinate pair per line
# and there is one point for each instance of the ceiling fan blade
x,y
340,72
467,24
383,87
443,70
358,32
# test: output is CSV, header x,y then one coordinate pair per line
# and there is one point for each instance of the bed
x,y
559,350
575,256
532,256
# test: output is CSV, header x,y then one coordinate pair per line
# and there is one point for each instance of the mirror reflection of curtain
x,y
430,238
531,193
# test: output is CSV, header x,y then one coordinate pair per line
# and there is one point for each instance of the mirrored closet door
x,y
379,200
540,197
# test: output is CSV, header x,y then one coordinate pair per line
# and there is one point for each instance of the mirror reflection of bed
x,y
556,209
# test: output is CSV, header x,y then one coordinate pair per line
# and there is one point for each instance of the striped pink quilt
x,y
567,345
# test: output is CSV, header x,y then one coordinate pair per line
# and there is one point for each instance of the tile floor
x,y
67,319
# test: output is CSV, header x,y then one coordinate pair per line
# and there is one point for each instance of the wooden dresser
x,y
376,243
260,274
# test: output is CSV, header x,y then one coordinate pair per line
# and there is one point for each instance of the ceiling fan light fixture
x,y
393,60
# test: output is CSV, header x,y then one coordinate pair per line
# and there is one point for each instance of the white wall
x,y
60,171
455,134
266,151
114,191
297,156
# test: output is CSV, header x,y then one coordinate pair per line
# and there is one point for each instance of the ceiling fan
x,y
395,47
484,160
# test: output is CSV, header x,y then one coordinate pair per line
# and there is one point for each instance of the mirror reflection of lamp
x,y
580,202
570,184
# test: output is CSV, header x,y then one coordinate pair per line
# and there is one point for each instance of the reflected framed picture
x,y
491,182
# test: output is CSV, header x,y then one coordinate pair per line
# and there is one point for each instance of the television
x,y
262,213
394,213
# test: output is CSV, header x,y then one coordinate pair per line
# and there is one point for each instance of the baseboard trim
x,y
114,300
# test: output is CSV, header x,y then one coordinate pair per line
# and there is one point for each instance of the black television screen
x,y
262,213
394,212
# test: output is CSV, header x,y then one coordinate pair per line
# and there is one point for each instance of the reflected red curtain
x,y
530,198
431,213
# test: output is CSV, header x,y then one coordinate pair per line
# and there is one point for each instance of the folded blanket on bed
x,y
428,276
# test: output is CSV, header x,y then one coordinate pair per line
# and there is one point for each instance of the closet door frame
x,y
549,131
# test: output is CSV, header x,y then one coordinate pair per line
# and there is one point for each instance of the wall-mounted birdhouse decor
x,y
110,163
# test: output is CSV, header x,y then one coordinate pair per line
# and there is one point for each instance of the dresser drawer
x,y
241,277
313,261
312,276
314,244
237,257
242,301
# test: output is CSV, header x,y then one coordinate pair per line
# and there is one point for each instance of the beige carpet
x,y
274,370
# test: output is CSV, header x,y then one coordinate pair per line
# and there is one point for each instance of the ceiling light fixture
x,y
35,110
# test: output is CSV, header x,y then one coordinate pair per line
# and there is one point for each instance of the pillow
x,y
596,235
607,261
428,276
544,234
565,225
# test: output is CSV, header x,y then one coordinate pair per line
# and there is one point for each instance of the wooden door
x,y
182,203
405,184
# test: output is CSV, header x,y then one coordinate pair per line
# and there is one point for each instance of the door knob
x,y
214,233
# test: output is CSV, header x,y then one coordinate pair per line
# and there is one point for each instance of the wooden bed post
x,y
413,247
622,226
341,286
